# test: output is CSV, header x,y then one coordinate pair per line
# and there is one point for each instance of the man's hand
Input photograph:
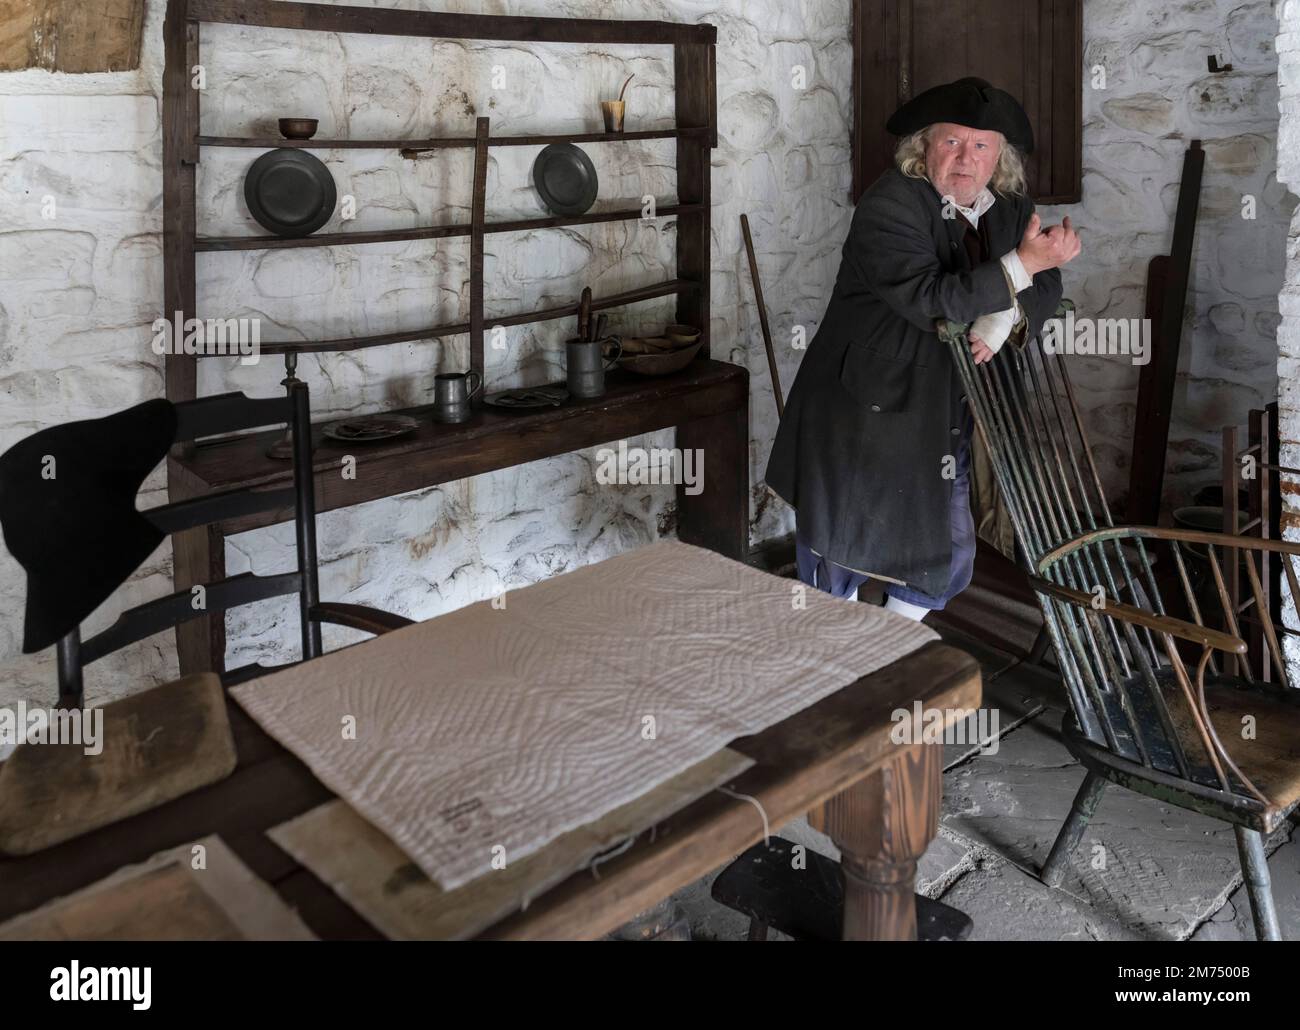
x,y
979,350
1041,249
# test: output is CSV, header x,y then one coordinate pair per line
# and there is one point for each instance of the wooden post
x,y
1257,430
200,643
1231,556
180,156
477,221
717,517
696,98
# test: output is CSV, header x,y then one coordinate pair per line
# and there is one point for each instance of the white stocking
x,y
912,611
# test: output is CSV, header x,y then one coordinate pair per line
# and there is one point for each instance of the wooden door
x,y
1033,49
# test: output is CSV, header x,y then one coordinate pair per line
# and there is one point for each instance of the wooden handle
x,y
584,314
762,317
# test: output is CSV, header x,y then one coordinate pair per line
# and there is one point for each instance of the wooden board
x,y
376,878
156,745
70,35
167,898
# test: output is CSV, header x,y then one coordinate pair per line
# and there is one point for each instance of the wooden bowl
x,y
661,364
635,345
298,128
681,335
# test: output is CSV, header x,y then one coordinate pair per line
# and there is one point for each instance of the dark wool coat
x,y
878,403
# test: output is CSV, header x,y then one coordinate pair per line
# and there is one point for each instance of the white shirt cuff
x,y
995,328
1020,279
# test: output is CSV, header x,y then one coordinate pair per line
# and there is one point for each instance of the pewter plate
x,y
368,428
565,178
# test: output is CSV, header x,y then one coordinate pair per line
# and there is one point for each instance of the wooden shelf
x,y
490,439
283,14
430,232
708,403
614,300
417,146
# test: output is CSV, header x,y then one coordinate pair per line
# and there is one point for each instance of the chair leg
x,y
757,930
1039,651
1254,866
1085,804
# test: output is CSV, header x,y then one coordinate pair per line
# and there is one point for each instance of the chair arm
x,y
1186,536
358,616
1180,628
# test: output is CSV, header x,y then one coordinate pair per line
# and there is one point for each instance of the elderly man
x,y
873,451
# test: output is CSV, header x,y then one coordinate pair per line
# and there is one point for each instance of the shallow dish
x,y
369,428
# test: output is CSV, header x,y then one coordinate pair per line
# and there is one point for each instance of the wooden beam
x,y
284,14
71,35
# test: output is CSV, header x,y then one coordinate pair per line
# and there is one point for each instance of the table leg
x,y
882,826
717,517
199,556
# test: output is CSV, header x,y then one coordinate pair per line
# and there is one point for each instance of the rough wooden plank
x,y
182,894
493,439
71,35
285,14
252,799
375,877
156,746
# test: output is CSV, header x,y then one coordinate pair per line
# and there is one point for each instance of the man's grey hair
x,y
1008,175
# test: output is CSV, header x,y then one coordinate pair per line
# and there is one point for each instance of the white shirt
x,y
994,329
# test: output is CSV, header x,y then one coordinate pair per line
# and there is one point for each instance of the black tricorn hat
x,y
971,102
67,507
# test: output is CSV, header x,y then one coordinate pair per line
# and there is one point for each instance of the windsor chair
x,y
1151,707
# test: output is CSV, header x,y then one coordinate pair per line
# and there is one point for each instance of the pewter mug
x,y
585,368
451,394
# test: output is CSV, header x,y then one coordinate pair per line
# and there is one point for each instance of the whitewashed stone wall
x,y
1158,96
1288,172
1288,332
78,292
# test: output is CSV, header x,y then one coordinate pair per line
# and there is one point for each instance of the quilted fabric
x,y
494,728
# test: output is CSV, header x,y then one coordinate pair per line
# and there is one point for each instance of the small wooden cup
x,y
298,128
613,111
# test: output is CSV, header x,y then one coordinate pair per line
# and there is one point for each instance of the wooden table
x,y
881,808
708,402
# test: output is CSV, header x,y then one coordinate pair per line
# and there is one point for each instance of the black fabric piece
x,y
78,534
874,406
972,102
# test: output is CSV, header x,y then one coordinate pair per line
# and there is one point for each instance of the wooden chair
x,y
1151,706
67,509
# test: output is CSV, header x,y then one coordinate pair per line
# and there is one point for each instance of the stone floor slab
x,y
1006,904
1233,922
1149,866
